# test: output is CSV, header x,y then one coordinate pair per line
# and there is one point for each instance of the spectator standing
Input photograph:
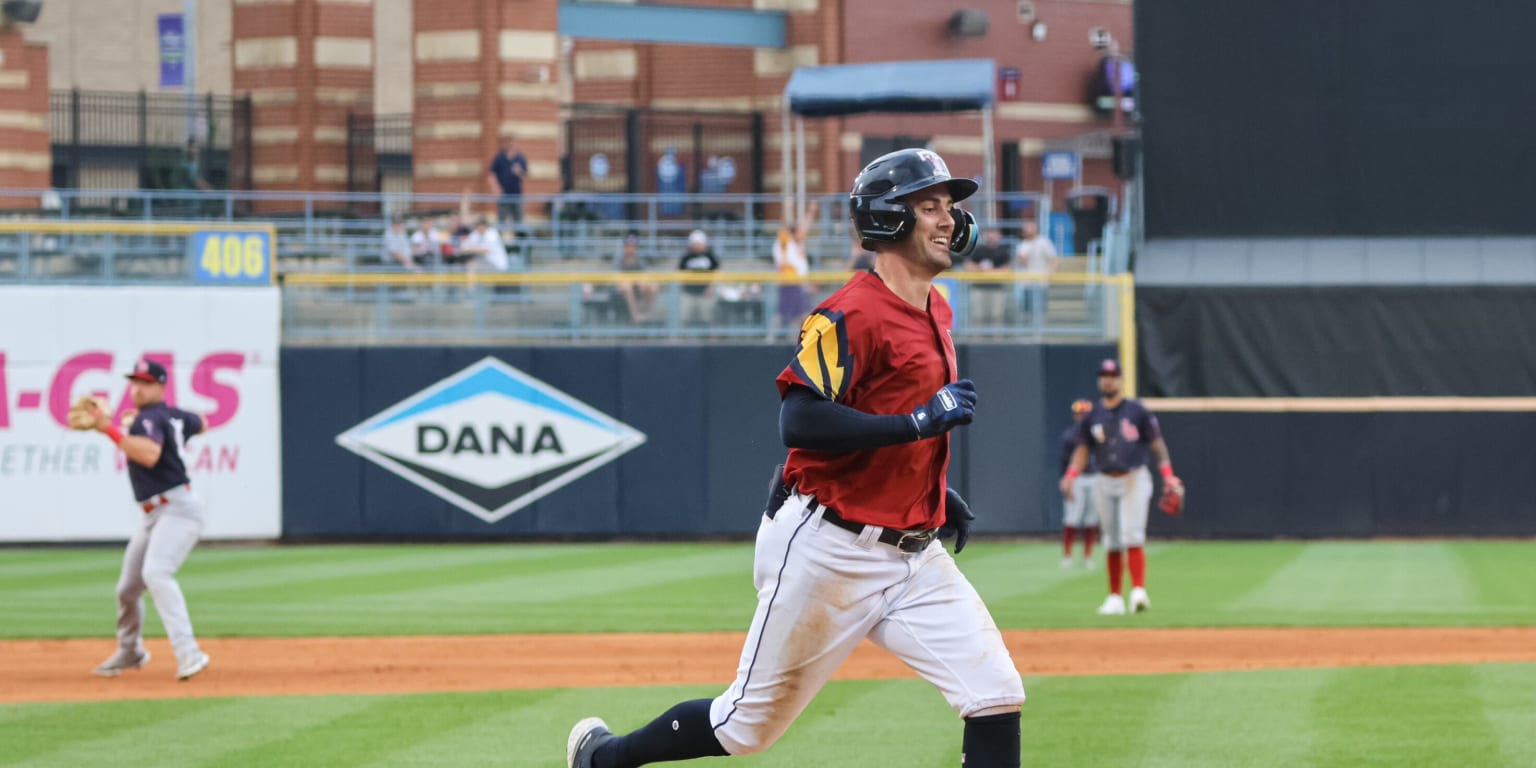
x,y
988,300
1036,254
507,170
698,299
790,261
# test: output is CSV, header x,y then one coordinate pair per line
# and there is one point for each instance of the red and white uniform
x,y
822,588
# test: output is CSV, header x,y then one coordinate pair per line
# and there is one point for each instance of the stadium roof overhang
x,y
947,85
684,24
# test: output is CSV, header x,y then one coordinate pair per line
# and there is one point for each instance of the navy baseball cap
x,y
1109,368
148,370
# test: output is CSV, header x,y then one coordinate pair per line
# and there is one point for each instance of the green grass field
x,y
1427,715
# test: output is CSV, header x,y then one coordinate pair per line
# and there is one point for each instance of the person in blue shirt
x,y
1122,436
508,169
170,521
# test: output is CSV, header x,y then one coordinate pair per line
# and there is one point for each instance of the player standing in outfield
x,y
845,549
172,520
1078,517
1120,434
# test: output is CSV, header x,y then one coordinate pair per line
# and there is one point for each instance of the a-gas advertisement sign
x,y
220,347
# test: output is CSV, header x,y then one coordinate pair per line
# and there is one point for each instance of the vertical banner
x,y
220,347
173,50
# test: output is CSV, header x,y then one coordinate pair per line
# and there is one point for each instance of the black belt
x,y
906,541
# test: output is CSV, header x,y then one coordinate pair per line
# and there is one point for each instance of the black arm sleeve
x,y
806,420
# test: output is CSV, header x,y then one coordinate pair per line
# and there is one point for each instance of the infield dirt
x,y
60,670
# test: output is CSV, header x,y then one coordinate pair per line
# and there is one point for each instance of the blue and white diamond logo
x,y
491,439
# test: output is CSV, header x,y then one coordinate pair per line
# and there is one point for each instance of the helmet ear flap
x,y
963,240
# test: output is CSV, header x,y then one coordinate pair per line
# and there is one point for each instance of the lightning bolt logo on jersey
x,y
824,362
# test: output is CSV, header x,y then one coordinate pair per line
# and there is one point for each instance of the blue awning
x,y
949,85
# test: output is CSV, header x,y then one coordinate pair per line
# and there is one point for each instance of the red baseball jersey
x,y
866,348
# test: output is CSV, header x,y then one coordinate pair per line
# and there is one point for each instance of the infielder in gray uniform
x,y
172,519
1078,515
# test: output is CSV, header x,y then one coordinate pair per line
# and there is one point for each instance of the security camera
x,y
1100,38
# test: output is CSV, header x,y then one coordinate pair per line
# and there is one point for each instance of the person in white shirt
x,y
1035,254
397,246
429,241
484,249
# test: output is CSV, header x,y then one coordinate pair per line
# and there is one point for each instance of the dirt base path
x,y
59,670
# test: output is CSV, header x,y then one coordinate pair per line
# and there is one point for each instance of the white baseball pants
x,y
1079,511
1122,505
820,591
155,552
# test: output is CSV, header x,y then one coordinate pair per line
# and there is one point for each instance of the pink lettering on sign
x,y
5,399
61,391
226,399
66,385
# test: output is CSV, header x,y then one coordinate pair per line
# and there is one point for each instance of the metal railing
x,y
351,308
331,232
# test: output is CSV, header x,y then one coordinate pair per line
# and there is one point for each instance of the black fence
x,y
378,148
150,140
1336,341
624,149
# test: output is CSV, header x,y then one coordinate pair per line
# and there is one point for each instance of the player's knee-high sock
x,y
1115,562
1138,559
1067,533
681,733
1089,533
991,741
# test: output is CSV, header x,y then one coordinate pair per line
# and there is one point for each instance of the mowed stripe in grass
x,y
1396,716
1467,715
514,588
1367,577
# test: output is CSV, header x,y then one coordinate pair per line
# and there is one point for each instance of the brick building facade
x,y
470,70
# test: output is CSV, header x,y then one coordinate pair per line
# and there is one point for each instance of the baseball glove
x,y
1172,500
83,412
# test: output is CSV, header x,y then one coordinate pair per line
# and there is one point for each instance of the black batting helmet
x,y
881,216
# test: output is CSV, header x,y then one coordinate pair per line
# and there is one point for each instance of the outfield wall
x,y
1386,468
220,345
424,442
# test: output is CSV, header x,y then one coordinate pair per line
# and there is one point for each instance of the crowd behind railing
x,y
576,265
343,231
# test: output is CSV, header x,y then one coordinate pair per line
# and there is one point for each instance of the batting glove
x,y
950,407
957,519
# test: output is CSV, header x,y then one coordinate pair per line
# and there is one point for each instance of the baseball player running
x,y
1078,517
1120,433
845,549
172,519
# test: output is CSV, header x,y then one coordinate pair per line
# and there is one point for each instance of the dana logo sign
x,y
491,439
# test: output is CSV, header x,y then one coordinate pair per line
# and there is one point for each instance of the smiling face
x,y
929,244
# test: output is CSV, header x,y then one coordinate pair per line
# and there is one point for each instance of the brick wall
x,y
1053,94
484,69
306,64
25,157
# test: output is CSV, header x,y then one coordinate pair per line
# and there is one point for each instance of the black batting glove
x,y
957,519
778,493
950,407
